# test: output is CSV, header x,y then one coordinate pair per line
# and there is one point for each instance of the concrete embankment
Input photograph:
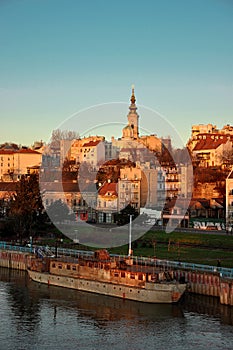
x,y
211,284
14,260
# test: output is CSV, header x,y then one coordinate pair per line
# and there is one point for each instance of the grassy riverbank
x,y
189,247
200,248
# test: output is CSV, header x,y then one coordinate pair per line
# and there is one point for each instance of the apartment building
x,y
15,163
210,148
107,202
129,188
229,201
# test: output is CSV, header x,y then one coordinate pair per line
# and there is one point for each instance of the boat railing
x,y
14,247
162,264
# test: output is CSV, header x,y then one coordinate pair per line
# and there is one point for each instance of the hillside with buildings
x,y
97,178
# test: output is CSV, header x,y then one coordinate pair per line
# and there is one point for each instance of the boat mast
x,y
130,234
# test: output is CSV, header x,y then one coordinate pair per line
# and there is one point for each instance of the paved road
x,y
192,230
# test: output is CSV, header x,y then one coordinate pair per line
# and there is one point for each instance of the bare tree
x,y
227,158
58,135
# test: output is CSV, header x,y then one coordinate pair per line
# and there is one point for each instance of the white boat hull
x,y
151,293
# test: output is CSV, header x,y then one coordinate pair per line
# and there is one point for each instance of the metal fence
x,y
164,264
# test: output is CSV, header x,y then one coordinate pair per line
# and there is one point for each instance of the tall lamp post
x,y
130,235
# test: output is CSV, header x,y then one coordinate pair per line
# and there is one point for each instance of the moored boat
x,y
107,275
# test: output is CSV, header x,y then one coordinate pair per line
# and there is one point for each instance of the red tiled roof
x,y
210,142
108,187
27,151
3,151
59,186
21,151
91,143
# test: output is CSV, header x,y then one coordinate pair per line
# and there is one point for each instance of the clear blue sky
x,y
60,56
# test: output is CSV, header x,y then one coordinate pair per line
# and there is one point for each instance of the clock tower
x,y
131,130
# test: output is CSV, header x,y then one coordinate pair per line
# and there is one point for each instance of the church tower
x,y
131,130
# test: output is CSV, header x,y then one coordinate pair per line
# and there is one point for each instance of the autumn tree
x,y
124,216
58,211
25,206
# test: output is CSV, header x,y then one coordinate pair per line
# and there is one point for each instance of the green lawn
x,y
187,247
200,248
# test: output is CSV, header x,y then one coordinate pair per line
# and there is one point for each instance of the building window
x,y
109,218
101,217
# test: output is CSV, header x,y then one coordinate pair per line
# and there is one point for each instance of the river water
x,y
34,316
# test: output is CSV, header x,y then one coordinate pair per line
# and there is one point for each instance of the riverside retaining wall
x,y
211,284
14,260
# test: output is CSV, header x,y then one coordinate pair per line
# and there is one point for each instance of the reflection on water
x,y
210,306
35,315
26,297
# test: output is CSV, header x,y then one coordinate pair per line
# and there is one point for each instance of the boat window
x,y
53,265
123,274
116,274
140,277
68,267
60,266
132,276
74,268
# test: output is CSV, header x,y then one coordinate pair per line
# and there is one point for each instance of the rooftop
x,y
210,141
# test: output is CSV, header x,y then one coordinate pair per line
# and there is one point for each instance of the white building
x,y
209,149
129,188
90,150
229,200
107,203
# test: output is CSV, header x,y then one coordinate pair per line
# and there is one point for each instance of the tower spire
x,y
133,99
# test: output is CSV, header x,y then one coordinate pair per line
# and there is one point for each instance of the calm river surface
x,y
33,316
